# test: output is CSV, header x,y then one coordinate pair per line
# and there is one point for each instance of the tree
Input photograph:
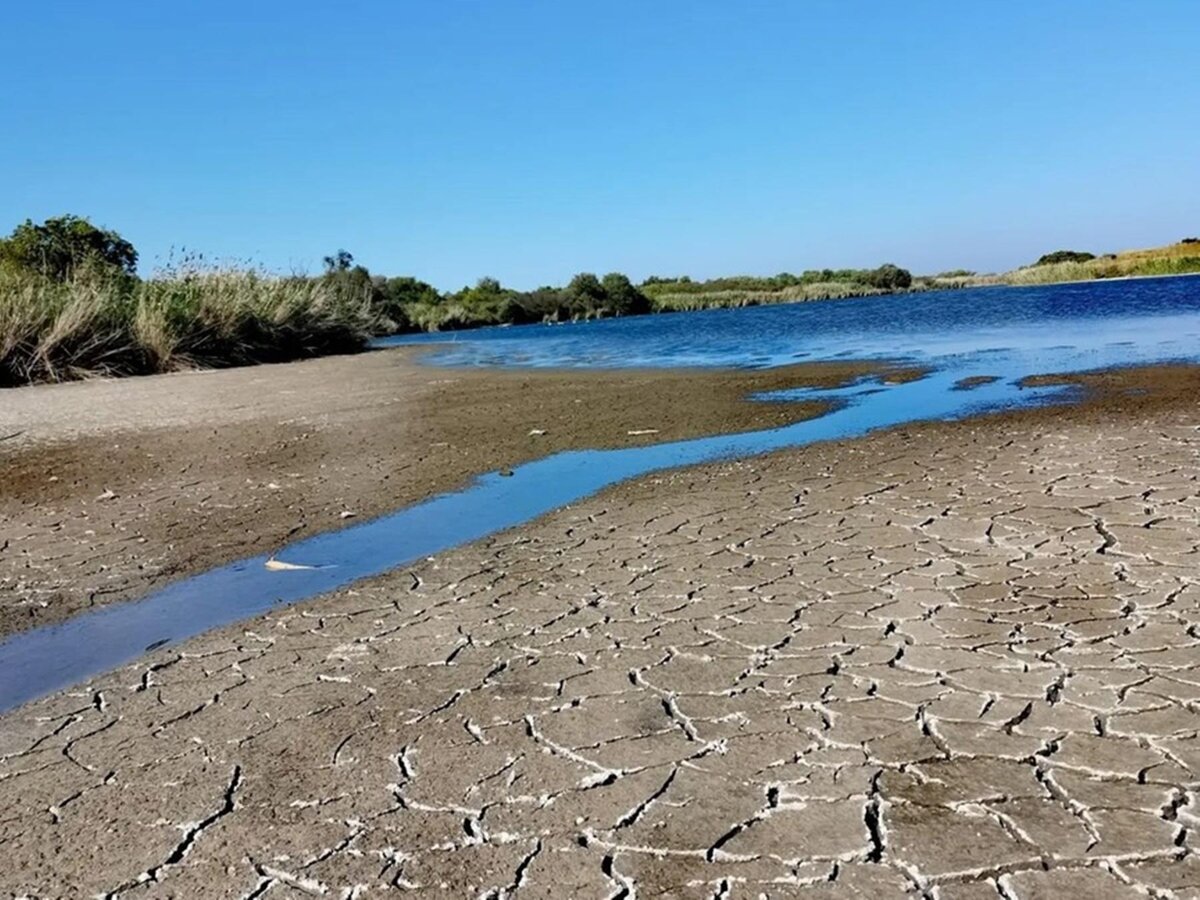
x,y
339,262
545,304
485,300
393,298
347,278
889,277
584,293
621,297
60,246
394,292
488,288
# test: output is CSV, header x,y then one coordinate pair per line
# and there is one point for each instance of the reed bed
x,y
103,324
693,300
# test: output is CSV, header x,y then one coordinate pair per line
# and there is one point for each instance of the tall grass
x,y
672,301
110,324
1174,259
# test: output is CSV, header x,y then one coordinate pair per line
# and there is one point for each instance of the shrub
x,y
1062,256
889,277
584,293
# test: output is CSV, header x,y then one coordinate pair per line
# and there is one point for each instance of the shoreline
x,y
901,293
160,490
917,629
115,488
370,344
1113,393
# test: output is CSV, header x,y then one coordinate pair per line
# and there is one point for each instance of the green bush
x,y
621,298
890,277
62,246
1062,256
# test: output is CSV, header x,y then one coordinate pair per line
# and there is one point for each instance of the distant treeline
x,y
682,293
887,278
407,304
411,305
72,303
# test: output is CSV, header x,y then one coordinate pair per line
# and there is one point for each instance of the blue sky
x,y
531,140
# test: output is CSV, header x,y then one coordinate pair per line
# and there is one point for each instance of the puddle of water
x,y
37,662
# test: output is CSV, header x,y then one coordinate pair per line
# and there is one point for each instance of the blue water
x,y
1008,333
1079,318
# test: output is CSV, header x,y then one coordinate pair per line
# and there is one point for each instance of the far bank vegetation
x,y
72,303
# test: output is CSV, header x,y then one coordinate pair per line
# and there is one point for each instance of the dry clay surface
x,y
109,489
950,661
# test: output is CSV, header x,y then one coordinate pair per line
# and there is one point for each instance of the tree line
x,y
67,247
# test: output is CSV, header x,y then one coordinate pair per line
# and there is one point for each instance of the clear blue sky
x,y
531,140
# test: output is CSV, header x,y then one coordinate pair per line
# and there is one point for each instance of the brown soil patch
x,y
111,488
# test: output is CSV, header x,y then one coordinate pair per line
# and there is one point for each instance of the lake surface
x,y
1007,333
1072,323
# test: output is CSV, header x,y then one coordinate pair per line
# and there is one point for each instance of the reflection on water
x,y
1068,328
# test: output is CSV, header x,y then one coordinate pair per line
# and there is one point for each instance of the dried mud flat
x,y
109,489
952,660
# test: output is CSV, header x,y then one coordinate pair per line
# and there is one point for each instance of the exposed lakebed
x,y
962,338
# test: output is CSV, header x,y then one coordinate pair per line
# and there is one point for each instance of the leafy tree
x,y
62,245
341,261
621,298
386,298
395,292
889,277
345,277
546,304
483,304
584,293
487,294
488,288
1059,256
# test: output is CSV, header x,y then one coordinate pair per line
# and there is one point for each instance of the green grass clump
x,y
107,323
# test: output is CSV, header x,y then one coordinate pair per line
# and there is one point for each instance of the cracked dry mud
x,y
947,661
111,488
